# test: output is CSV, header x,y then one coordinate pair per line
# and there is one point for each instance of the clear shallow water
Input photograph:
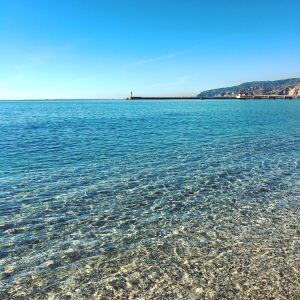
x,y
150,200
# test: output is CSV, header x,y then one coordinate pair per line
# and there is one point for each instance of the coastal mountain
x,y
290,87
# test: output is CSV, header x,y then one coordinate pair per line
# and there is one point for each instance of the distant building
x,y
243,94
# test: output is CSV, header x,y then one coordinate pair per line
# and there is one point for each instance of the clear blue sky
x,y
105,49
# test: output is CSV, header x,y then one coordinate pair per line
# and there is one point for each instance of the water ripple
x,y
149,200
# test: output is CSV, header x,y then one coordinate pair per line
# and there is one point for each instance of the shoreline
x,y
258,97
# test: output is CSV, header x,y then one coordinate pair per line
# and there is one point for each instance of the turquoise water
x,y
149,200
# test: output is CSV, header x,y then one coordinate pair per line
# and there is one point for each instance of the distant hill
x,y
289,87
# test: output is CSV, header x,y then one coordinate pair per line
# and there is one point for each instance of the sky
x,y
105,49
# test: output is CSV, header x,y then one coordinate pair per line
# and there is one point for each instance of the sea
x,y
115,199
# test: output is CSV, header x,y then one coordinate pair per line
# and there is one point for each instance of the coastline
x,y
252,97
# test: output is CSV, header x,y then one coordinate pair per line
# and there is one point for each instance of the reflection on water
x,y
150,200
